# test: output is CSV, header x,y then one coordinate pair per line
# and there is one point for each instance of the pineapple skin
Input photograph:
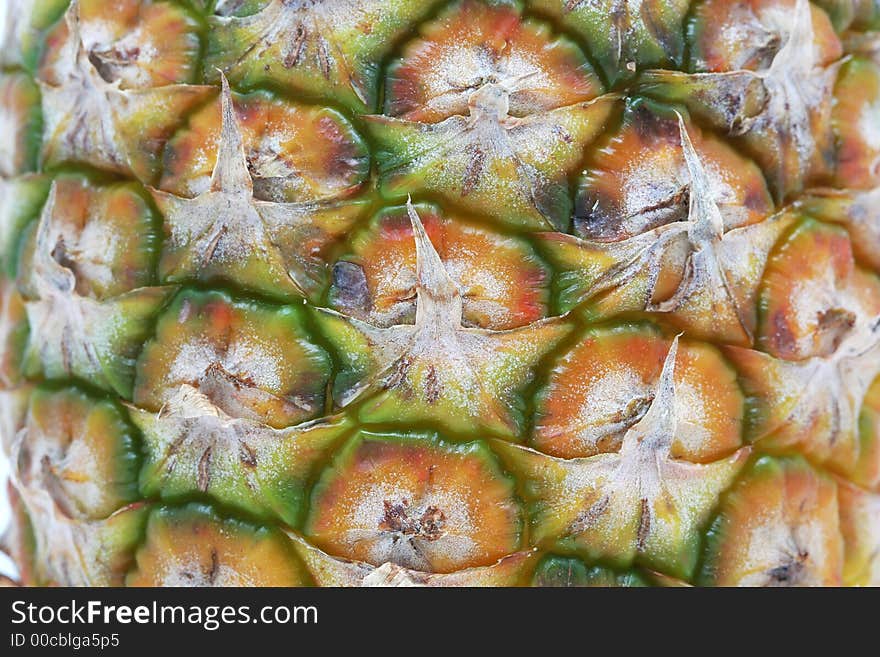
x,y
474,293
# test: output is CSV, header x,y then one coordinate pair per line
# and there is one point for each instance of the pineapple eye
x,y
227,232
77,468
820,339
89,116
538,96
223,397
435,369
629,505
777,109
91,246
331,50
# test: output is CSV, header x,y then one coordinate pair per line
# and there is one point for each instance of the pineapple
x,y
460,293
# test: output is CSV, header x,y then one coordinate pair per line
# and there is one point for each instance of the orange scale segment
x,y
731,35
251,360
856,120
605,385
639,180
502,281
193,546
139,44
860,527
474,44
866,471
417,502
295,152
81,451
105,235
827,301
778,526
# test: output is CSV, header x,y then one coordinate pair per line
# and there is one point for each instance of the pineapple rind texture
x,y
451,293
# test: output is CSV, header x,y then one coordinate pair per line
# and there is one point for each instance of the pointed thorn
x,y
48,209
231,172
434,280
802,26
666,385
72,20
799,51
659,423
44,243
703,211
72,16
692,159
